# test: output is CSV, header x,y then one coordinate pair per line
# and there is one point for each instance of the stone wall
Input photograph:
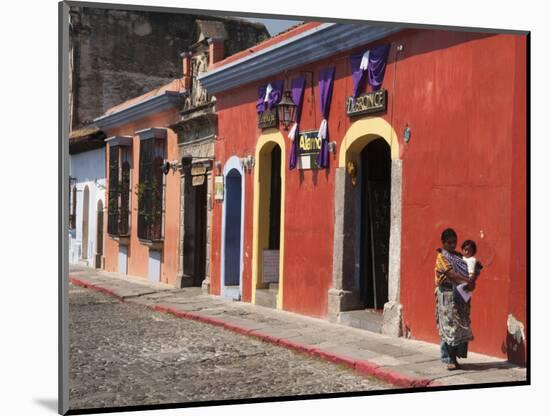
x,y
120,54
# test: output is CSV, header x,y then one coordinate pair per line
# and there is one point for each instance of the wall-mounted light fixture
x,y
407,134
332,147
248,162
167,165
218,166
286,110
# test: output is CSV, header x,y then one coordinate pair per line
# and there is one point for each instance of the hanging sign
x,y
370,102
198,170
218,188
308,148
198,180
268,119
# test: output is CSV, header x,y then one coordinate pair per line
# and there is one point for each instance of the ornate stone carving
x,y
198,95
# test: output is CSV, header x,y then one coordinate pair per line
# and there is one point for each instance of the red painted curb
x,y
360,366
337,359
237,329
83,283
167,309
264,337
366,367
296,346
390,376
206,319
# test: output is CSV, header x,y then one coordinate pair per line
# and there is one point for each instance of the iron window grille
x,y
118,219
151,190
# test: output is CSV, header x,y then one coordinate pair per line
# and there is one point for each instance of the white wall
x,y
89,170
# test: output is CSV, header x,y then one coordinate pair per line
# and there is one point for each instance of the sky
x,y
275,26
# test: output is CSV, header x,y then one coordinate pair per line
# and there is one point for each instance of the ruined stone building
x,y
115,56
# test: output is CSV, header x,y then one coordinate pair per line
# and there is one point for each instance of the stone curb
x,y
83,283
360,366
363,367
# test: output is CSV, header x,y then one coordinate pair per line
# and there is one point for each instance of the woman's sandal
x,y
452,366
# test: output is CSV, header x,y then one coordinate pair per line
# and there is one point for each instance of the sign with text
x,y
198,180
307,149
370,102
268,119
218,188
270,266
198,170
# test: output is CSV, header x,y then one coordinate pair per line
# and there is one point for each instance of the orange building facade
x,y
129,249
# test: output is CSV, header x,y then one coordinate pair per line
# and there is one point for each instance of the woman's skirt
x,y
452,315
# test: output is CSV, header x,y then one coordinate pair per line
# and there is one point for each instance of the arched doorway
x,y
195,198
367,229
374,223
233,218
85,222
99,236
269,196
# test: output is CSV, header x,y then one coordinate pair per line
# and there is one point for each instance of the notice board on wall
x,y
308,148
270,266
218,188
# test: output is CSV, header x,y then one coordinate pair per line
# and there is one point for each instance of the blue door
x,y
233,228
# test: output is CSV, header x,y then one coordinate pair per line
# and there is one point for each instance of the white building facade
x,y
87,208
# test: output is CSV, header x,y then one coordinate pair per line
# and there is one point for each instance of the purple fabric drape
x,y
298,85
377,65
357,74
276,93
260,104
378,58
326,78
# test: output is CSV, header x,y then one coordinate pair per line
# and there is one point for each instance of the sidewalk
x,y
399,361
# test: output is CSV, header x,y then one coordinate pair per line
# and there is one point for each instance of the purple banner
x,y
298,85
357,74
378,57
377,65
326,78
260,104
276,93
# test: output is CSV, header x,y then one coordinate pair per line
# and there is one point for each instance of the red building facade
x,y
448,149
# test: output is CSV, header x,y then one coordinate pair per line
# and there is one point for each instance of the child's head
x,y
469,248
448,238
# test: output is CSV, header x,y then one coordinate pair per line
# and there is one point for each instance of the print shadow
x,y
50,404
499,365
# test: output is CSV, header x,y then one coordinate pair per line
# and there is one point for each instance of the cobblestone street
x,y
124,354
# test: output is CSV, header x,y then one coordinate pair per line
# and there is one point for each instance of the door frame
x,y
342,296
233,162
265,143
100,234
85,223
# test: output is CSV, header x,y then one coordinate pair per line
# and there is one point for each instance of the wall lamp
x,y
218,166
187,160
248,162
407,134
286,110
167,165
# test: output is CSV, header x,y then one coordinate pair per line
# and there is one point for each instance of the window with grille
x,y
151,189
118,214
